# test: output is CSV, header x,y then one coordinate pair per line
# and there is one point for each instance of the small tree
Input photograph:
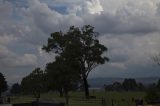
x,y
129,84
141,87
81,45
152,95
34,83
158,85
3,84
63,76
117,86
16,89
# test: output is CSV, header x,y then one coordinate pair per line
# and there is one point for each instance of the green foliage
x,y
129,84
117,86
158,84
141,87
126,85
153,92
81,46
34,83
152,95
16,89
62,74
3,84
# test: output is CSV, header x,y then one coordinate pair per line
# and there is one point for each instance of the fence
x,y
77,101
105,102
39,104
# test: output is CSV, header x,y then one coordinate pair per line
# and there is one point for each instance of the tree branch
x,y
156,59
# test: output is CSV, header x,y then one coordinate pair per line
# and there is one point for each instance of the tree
x,y
116,86
129,84
34,83
3,84
62,76
80,45
152,95
108,87
16,89
141,87
158,84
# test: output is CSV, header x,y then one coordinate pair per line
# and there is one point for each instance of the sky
x,y
130,29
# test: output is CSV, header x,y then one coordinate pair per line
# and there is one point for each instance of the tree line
x,y
3,84
130,84
77,51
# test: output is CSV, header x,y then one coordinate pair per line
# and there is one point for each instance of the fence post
x,y
112,102
103,102
128,103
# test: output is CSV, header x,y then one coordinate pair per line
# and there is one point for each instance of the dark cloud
x,y
119,24
129,29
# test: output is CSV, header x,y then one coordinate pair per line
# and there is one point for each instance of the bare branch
x,y
156,59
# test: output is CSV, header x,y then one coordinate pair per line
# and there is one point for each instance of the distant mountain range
x,y
99,82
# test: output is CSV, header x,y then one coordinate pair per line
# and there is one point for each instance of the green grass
x,y
77,98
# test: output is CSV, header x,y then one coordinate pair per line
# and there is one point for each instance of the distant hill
x,y
99,82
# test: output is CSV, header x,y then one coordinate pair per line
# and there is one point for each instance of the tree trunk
x,y
1,101
60,92
86,86
66,96
37,95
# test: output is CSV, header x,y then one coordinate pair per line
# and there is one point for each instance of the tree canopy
x,y
34,83
62,75
16,89
80,45
3,84
129,84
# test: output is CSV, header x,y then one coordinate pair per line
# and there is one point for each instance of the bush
x,y
152,95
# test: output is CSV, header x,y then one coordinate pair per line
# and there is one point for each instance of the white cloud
x,y
118,66
5,10
25,60
130,29
132,50
94,6
49,20
4,52
5,39
10,59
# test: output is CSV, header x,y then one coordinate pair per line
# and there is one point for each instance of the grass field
x,y
77,98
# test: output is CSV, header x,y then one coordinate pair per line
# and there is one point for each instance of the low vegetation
x,y
78,98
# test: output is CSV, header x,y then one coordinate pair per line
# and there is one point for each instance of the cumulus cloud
x,y
9,59
4,52
94,6
25,60
130,29
119,66
5,39
5,10
132,50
